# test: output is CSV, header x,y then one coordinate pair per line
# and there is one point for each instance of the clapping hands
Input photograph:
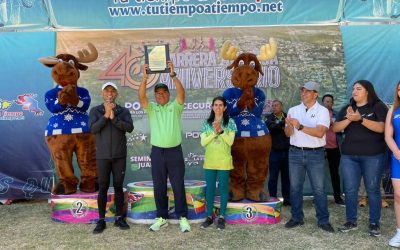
x,y
292,122
352,115
109,110
217,126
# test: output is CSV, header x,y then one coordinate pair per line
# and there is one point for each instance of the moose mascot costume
x,y
67,130
252,145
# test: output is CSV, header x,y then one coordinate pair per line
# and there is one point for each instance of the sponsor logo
x,y
134,198
5,184
4,104
138,137
135,109
5,114
139,162
31,185
177,8
197,106
127,68
196,110
192,110
193,159
192,135
29,103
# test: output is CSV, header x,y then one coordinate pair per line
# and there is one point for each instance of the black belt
x,y
305,148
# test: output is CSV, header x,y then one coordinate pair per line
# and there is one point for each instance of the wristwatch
x,y
361,120
300,127
172,75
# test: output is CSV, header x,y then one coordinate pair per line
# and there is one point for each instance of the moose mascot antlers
x,y
67,130
250,150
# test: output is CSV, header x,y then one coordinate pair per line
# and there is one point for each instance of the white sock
x,y
3,8
398,230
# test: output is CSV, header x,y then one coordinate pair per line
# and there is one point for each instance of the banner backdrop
x,y
25,14
372,11
304,53
25,167
372,53
150,14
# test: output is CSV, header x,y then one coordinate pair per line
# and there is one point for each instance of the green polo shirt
x,y
165,124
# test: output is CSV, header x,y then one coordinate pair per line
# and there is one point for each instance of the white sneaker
x,y
395,241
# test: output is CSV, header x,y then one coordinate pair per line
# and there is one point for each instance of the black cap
x,y
161,86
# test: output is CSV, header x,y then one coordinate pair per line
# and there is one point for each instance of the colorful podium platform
x,y
142,208
249,212
81,208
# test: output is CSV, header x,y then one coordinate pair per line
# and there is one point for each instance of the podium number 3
x,y
249,213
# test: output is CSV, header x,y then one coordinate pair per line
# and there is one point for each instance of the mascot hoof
x,y
58,189
233,200
264,196
261,197
61,189
253,199
235,197
89,188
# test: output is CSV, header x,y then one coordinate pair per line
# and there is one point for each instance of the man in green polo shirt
x,y
166,153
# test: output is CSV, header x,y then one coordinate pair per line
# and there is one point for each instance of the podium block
x,y
248,212
142,207
81,208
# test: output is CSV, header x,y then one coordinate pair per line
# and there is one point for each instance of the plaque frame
x,y
147,58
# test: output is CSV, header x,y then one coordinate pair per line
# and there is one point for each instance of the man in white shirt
x,y
306,125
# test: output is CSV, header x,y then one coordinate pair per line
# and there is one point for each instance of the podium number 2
x,y
79,208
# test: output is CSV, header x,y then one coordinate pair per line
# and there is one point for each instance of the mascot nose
x,y
246,76
58,71
64,69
